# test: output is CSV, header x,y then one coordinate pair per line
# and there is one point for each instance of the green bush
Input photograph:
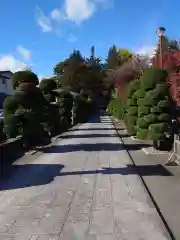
x,y
139,94
132,120
24,77
143,111
149,101
47,85
164,104
157,130
132,111
150,118
116,107
131,102
142,134
164,117
2,133
133,87
151,77
130,127
11,125
142,123
140,102
156,109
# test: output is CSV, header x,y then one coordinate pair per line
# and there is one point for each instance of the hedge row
x,y
148,107
38,113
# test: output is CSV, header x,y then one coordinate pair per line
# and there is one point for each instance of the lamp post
x,y
160,32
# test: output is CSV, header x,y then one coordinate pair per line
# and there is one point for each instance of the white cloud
x,y
8,62
43,21
24,52
57,14
146,50
72,38
75,11
79,10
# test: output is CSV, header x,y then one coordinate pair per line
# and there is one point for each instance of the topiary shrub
x,y
2,132
164,104
149,101
116,107
143,111
131,102
142,123
47,85
142,134
154,107
132,120
156,130
164,117
156,110
132,111
140,102
133,87
151,77
150,118
24,77
139,94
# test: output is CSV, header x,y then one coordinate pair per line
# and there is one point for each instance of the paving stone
x,y
102,221
75,231
96,195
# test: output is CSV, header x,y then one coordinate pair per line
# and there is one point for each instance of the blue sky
x,y
40,33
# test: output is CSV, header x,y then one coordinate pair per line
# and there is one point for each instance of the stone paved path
x,y
84,188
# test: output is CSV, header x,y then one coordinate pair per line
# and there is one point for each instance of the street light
x,y
160,32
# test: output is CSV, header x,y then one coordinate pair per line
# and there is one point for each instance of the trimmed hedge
x,y
148,104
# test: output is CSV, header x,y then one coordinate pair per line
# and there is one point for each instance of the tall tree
x,y
123,55
112,60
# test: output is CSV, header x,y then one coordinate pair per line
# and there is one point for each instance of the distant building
x,y
5,86
6,82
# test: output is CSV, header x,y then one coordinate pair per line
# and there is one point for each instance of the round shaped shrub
x,y
140,102
142,123
28,87
164,117
152,76
149,101
162,89
139,94
132,111
47,85
24,77
157,130
164,104
142,134
11,125
156,109
132,120
10,105
143,111
133,87
150,118
131,102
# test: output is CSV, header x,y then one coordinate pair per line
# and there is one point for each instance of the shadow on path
x,y
90,136
28,175
147,170
95,129
42,174
92,147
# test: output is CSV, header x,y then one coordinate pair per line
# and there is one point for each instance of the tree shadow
x,y
84,147
42,174
89,136
22,176
95,129
136,146
147,170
